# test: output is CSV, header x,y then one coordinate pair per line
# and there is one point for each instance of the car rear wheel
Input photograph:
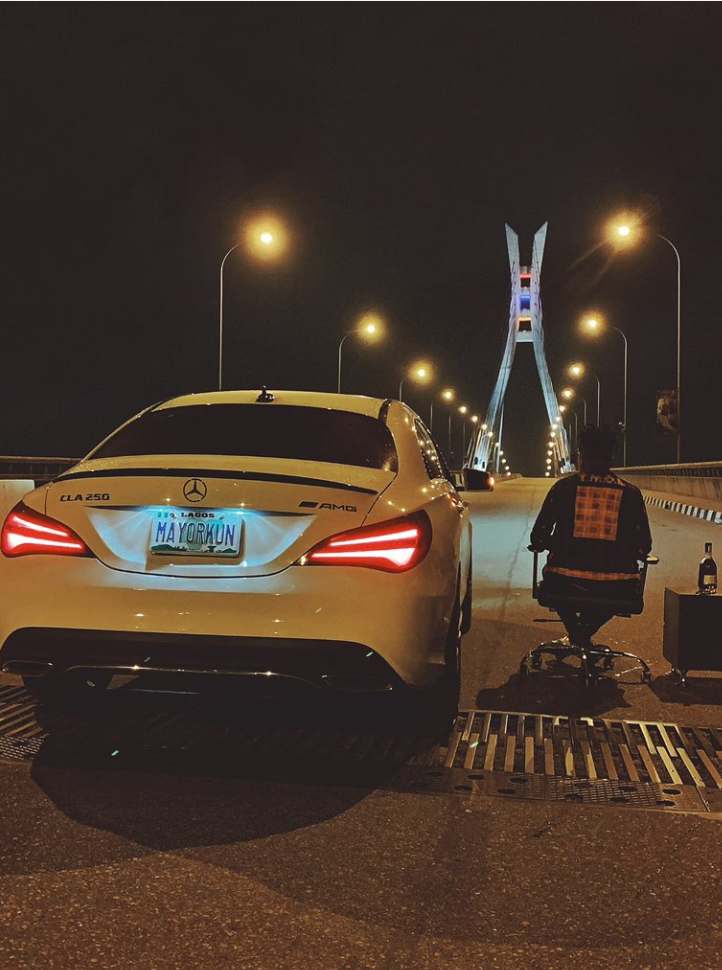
x,y
436,707
466,607
76,688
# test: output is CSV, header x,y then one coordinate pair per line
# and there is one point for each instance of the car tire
x,y
76,688
466,606
436,708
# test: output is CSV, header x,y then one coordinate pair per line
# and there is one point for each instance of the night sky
x,y
396,140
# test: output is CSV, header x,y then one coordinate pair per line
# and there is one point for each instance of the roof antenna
x,y
265,397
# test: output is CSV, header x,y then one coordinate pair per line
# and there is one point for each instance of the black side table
x,y
692,632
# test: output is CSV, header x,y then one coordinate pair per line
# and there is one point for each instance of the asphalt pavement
x,y
174,866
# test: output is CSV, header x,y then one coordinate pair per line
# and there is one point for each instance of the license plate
x,y
190,532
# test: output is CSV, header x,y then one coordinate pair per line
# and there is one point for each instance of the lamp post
x,y
264,238
624,235
679,345
370,326
220,317
599,400
474,420
592,324
568,393
448,394
419,372
463,410
577,371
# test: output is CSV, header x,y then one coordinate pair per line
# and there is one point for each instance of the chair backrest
x,y
621,607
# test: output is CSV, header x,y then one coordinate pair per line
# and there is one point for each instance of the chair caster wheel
x,y
588,678
647,677
536,661
608,663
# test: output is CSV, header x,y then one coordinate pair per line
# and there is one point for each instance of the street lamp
x,y
265,239
623,233
463,410
593,326
474,418
569,392
370,327
448,395
578,371
419,373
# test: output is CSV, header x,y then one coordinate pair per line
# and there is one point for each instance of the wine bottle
x,y
707,576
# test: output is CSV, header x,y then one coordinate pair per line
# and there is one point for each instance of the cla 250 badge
x,y
86,497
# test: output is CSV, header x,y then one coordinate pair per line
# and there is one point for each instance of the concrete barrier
x,y
701,480
11,492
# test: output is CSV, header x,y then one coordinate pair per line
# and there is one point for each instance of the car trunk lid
x,y
205,516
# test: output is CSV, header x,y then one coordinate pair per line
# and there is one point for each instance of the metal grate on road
x,y
637,764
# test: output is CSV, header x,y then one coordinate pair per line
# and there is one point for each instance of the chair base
x,y
588,657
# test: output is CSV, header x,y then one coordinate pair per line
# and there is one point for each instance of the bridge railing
x,y
697,480
40,470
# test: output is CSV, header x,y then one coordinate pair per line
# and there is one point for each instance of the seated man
x,y
595,527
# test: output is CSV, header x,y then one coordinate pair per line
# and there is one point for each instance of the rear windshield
x,y
257,430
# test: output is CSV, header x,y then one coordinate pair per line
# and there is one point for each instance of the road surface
x,y
166,860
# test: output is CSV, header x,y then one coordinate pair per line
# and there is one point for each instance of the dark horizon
x,y
396,143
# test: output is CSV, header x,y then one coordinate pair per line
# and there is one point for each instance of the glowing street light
x,y
448,395
594,326
264,238
419,373
623,232
369,328
578,371
463,410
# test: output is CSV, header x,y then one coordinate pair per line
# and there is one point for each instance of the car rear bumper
x,y
319,663
82,609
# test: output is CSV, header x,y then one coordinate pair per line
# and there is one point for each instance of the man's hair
x,y
599,445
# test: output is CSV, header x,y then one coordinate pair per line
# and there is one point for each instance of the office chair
x,y
588,656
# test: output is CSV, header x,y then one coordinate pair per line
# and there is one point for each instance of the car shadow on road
x,y
166,770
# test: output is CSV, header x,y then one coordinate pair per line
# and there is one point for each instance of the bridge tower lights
x,y
524,326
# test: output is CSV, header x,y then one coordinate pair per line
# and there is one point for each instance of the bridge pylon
x,y
525,326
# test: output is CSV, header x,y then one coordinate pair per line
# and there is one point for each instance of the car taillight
x,y
393,546
27,532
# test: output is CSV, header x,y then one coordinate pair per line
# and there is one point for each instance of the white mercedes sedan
x,y
314,537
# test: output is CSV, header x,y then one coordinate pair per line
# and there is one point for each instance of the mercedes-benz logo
x,y
195,490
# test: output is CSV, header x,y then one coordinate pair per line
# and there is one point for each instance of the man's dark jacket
x,y
594,526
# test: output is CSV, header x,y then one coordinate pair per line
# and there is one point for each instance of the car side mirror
x,y
475,479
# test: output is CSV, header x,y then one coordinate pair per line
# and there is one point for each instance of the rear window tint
x,y
257,430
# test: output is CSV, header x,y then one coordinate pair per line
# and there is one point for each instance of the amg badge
x,y
328,505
